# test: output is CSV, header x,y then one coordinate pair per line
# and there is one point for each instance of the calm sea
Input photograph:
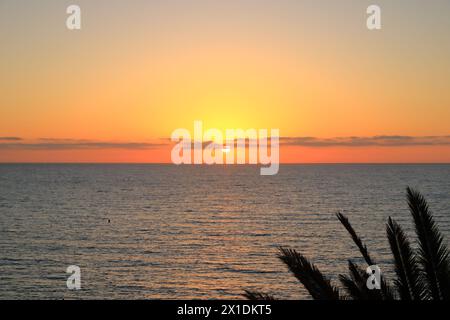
x,y
161,231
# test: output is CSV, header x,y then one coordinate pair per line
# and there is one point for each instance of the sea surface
x,y
181,232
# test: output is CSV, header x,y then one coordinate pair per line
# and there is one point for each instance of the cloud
x,y
16,143
380,141
10,139
376,141
73,144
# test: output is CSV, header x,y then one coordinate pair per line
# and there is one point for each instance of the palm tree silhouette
x,y
421,274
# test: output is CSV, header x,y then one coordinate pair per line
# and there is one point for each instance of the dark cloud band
x,y
80,145
10,139
382,141
17,143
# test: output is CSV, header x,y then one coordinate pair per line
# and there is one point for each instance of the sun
x,y
226,149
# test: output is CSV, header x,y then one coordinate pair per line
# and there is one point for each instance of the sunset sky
x,y
116,90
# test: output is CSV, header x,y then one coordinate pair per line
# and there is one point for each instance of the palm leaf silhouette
x,y
421,274
356,284
254,295
318,286
356,239
409,283
386,291
432,254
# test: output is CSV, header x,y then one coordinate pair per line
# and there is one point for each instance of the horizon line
x,y
237,164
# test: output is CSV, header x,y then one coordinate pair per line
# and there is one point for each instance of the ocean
x,y
142,231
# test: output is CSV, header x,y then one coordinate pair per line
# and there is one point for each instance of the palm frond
x,y
421,274
409,282
356,284
433,253
254,295
357,240
351,288
309,275
386,291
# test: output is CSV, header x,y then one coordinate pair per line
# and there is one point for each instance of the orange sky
x,y
139,70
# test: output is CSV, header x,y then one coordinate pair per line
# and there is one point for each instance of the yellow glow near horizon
x,y
139,70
